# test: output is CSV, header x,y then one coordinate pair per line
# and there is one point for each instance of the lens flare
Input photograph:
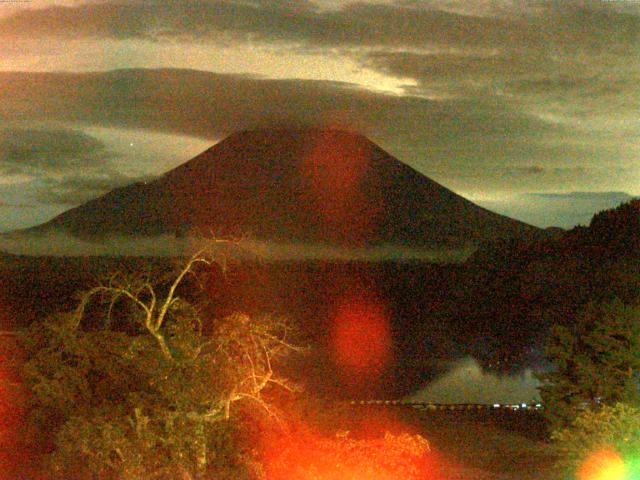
x,y
361,337
309,456
605,464
633,468
12,454
335,168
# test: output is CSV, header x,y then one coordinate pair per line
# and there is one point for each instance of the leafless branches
x,y
245,349
142,292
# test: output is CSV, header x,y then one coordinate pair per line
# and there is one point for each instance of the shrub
x,y
143,391
596,361
600,444
309,457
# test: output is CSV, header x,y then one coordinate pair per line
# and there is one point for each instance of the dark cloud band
x,y
447,138
50,151
65,166
570,24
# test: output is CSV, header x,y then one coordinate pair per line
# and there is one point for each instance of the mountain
x,y
306,185
495,307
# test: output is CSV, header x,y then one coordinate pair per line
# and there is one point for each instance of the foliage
x,y
596,362
308,457
612,431
618,228
137,389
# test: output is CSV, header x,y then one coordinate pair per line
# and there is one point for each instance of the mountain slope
x,y
309,185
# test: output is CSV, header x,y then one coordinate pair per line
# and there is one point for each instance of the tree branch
x,y
170,298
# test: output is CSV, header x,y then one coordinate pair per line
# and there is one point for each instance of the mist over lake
x,y
467,382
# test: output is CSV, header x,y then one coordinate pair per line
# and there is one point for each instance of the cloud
x,y
591,75
531,170
573,56
559,209
79,188
62,166
570,63
447,65
525,171
290,22
58,243
464,143
54,151
212,105
17,205
467,382
551,60
576,25
177,101
275,251
606,197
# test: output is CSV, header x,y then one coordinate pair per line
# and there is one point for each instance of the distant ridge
x,y
296,185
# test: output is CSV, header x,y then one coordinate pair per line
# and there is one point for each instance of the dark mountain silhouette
x,y
307,185
497,306
516,290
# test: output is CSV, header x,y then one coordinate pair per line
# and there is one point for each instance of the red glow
x,y
11,413
370,444
335,168
604,464
307,456
361,337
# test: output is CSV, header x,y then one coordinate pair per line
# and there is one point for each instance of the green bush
x,y
596,359
613,433
142,391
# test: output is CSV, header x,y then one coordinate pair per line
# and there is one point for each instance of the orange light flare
x,y
306,455
325,440
12,452
360,336
335,169
604,464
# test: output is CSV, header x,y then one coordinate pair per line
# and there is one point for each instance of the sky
x,y
529,108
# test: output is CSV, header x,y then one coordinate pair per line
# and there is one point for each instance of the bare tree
x,y
142,292
167,384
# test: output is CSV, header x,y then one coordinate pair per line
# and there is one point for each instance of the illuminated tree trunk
x,y
201,451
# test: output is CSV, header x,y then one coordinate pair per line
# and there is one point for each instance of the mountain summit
x,y
308,185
